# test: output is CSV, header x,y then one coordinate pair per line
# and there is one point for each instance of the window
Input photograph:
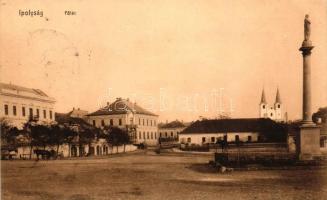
x,y
44,114
213,139
102,122
189,140
237,138
249,138
150,122
166,134
50,114
172,134
160,134
271,114
151,135
147,122
140,135
111,122
203,139
120,122
31,112
143,135
23,111
93,122
154,122
14,111
263,106
278,106
147,135
6,109
37,112
143,122
139,121
155,135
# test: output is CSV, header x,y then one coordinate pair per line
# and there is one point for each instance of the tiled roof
x,y
173,124
66,119
234,125
24,89
121,106
10,89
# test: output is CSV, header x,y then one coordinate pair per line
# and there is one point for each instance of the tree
x,y
36,134
116,136
8,134
322,114
59,135
86,136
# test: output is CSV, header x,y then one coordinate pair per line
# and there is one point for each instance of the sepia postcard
x,y
163,99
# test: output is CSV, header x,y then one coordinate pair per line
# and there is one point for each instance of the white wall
x,y
18,120
196,138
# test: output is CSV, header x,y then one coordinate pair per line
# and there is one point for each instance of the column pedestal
x,y
308,142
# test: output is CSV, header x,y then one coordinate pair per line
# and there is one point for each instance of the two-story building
x,y
18,104
171,129
140,123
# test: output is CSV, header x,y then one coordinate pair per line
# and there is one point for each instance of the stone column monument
x,y
308,134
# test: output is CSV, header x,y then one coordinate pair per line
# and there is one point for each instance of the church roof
x,y
121,106
278,99
263,97
234,125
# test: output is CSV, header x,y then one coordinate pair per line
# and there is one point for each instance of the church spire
x,y
278,100
263,97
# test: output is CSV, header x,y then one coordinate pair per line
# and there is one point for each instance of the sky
x,y
180,59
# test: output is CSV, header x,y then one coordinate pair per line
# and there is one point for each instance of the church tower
x,y
278,107
263,106
268,111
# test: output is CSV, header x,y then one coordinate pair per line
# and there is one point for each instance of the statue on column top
x,y
307,29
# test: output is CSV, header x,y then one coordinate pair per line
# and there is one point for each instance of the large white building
x,y
274,112
18,104
140,123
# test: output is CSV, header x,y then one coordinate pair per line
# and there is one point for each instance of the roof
x,y
173,124
23,91
278,99
77,113
62,118
121,106
234,125
263,97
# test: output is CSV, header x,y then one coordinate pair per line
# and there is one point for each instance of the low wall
x,y
23,152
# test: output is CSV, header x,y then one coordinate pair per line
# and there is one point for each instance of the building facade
x,y
122,113
171,129
231,130
274,112
18,104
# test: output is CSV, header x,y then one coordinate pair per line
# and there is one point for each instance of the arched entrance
x,y
98,150
73,151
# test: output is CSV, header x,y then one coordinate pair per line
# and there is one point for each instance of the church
x,y
274,112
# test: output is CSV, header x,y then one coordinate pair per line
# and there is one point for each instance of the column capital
x,y
306,50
